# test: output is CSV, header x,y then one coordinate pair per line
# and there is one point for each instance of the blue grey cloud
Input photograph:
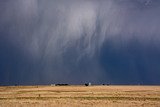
x,y
51,41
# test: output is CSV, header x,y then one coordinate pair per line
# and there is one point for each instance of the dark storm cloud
x,y
43,42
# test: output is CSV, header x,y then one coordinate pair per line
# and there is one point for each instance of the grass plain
x,y
79,96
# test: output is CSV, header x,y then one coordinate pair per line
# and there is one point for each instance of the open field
x,y
73,96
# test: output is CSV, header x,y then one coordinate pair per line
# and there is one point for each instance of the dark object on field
x,y
61,84
87,84
106,84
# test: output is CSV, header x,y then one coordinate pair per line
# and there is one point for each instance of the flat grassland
x,y
80,96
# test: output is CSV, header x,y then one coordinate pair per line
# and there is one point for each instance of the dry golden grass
x,y
79,96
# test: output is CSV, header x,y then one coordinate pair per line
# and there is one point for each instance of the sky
x,y
79,41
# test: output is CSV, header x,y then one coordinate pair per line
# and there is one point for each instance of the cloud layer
x,y
43,42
